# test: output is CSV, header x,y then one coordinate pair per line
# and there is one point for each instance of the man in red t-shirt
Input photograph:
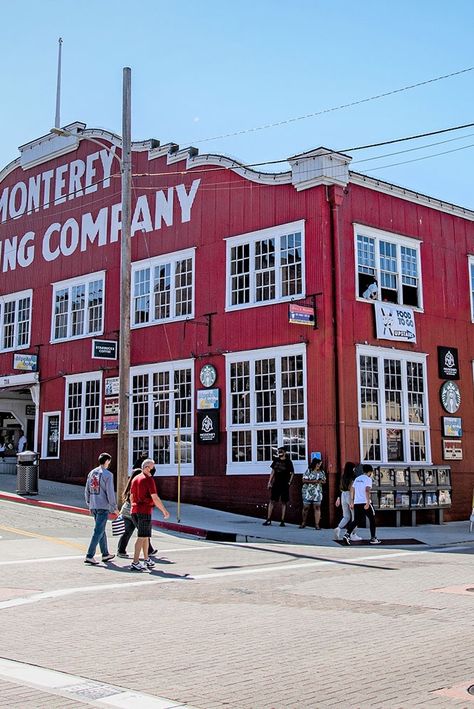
x,y
143,497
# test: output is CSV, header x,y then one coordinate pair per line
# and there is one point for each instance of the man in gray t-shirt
x,y
100,498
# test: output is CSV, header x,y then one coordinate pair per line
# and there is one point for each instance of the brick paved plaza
x,y
245,626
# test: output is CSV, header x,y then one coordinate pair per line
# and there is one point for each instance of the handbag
x,y
118,526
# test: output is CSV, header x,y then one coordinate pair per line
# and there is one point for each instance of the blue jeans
x,y
98,536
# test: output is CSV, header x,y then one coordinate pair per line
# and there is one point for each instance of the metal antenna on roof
x,y
57,121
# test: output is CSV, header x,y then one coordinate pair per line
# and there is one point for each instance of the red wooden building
x,y
220,256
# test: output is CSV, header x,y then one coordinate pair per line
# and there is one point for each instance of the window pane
x,y
74,397
182,397
417,445
388,266
369,392
161,450
141,296
415,383
267,444
240,392
60,314
294,440
241,446
395,452
9,324
184,287
265,390
140,403
265,270
78,305
366,255
162,291
95,306
240,274
291,264
371,444
161,400
393,390
292,388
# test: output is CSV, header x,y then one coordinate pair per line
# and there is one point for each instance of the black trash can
x,y
27,472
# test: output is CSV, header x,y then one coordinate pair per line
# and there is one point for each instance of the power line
x,y
334,108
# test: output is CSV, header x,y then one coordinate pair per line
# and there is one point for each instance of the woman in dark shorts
x,y
279,485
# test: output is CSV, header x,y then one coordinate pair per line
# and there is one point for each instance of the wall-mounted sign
x,y
111,407
450,397
300,314
30,410
208,426
448,364
111,386
110,424
25,362
208,399
104,349
208,375
394,322
452,426
452,449
51,435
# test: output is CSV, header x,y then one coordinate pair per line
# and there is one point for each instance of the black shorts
x,y
280,491
143,524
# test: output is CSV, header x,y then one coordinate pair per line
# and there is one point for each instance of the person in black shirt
x,y
279,485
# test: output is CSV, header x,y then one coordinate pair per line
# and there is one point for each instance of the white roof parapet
x,y
319,167
389,188
263,178
162,150
183,154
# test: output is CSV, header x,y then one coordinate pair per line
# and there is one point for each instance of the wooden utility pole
x,y
125,277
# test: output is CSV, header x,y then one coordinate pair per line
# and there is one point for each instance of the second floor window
x,y
78,307
266,266
15,320
390,262
163,288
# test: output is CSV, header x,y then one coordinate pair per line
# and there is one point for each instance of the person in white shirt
x,y
21,442
362,505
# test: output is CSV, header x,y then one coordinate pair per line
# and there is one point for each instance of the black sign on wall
x,y
104,349
208,426
448,363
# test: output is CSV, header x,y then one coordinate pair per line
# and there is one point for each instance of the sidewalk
x,y
224,526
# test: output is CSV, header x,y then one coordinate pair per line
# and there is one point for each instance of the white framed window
x,y
83,405
265,266
15,320
392,263
78,307
163,288
266,408
471,284
162,415
51,434
393,406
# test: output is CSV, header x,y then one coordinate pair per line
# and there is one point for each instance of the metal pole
x,y
125,259
57,121
178,426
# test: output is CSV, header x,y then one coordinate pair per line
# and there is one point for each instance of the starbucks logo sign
x,y
450,397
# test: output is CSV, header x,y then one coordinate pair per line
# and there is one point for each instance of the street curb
x,y
10,497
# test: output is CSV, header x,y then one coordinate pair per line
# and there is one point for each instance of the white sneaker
x,y
337,533
374,540
355,537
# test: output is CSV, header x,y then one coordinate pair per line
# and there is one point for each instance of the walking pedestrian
x,y
312,491
126,512
362,505
143,497
279,485
100,499
344,500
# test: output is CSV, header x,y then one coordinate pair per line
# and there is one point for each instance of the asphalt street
x,y
237,625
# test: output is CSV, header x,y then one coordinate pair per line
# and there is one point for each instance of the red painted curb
x,y
42,503
184,529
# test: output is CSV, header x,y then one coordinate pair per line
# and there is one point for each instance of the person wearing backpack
x,y
100,499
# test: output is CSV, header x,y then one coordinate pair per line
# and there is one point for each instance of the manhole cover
x,y
470,690
93,690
